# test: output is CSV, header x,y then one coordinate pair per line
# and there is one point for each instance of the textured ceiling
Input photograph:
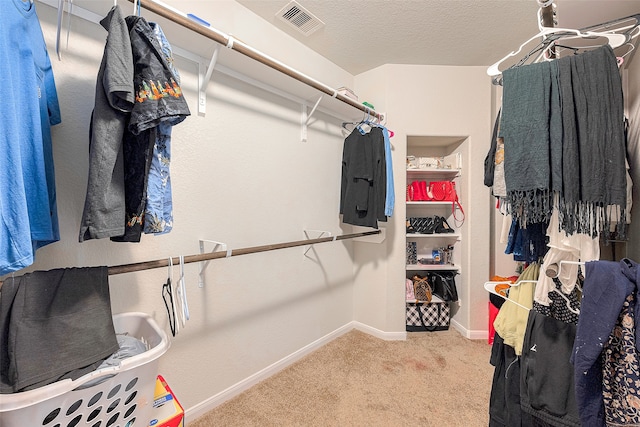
x,y
360,35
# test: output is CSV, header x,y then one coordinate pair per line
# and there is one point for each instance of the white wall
x,y
240,175
431,101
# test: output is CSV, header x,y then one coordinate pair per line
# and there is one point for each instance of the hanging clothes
x,y
390,197
511,321
504,401
363,183
621,369
121,160
563,130
606,288
490,158
546,377
524,126
158,215
594,155
159,99
562,306
104,206
527,244
28,210
564,247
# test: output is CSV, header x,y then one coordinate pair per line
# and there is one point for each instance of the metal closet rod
x,y
147,265
238,46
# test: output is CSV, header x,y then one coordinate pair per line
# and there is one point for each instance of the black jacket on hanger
x,y
364,178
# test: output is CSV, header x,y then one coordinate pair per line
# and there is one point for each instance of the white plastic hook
x,y
181,295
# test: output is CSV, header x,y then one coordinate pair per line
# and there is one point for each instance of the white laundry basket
x,y
123,399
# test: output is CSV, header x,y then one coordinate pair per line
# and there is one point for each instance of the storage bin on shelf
x,y
123,397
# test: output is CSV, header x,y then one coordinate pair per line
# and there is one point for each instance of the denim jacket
x,y
158,99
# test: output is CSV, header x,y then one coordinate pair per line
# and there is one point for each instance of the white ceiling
x,y
360,35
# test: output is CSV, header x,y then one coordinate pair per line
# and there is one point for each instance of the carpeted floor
x,y
432,379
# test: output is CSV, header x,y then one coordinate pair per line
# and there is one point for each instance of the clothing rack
x,y
148,265
234,44
548,21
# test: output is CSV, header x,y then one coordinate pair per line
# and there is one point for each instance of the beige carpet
x,y
431,379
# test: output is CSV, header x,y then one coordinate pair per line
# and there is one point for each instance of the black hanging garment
x,y
364,178
547,387
504,403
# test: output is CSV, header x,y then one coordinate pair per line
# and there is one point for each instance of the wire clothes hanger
x,y
550,35
365,119
491,288
368,121
167,296
631,33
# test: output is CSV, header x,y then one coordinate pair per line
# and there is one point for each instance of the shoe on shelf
x,y
429,225
442,226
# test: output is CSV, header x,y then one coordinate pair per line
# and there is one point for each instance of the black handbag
x,y
443,284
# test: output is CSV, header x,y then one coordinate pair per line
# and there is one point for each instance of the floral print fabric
x,y
621,371
158,217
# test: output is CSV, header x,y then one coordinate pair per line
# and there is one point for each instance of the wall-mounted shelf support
x,y
204,77
181,18
305,118
321,233
217,246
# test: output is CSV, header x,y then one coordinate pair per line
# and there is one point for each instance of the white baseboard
x,y
387,336
469,334
231,392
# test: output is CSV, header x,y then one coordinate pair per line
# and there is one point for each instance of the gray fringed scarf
x,y
526,103
593,143
563,130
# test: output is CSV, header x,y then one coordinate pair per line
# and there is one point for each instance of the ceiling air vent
x,y
300,18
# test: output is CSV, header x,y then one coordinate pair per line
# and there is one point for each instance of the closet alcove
x,y
447,164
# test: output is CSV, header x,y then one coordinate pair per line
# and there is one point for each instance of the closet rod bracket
x,y
204,76
321,233
217,246
305,118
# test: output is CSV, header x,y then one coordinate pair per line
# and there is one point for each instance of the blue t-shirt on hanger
x,y
28,217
